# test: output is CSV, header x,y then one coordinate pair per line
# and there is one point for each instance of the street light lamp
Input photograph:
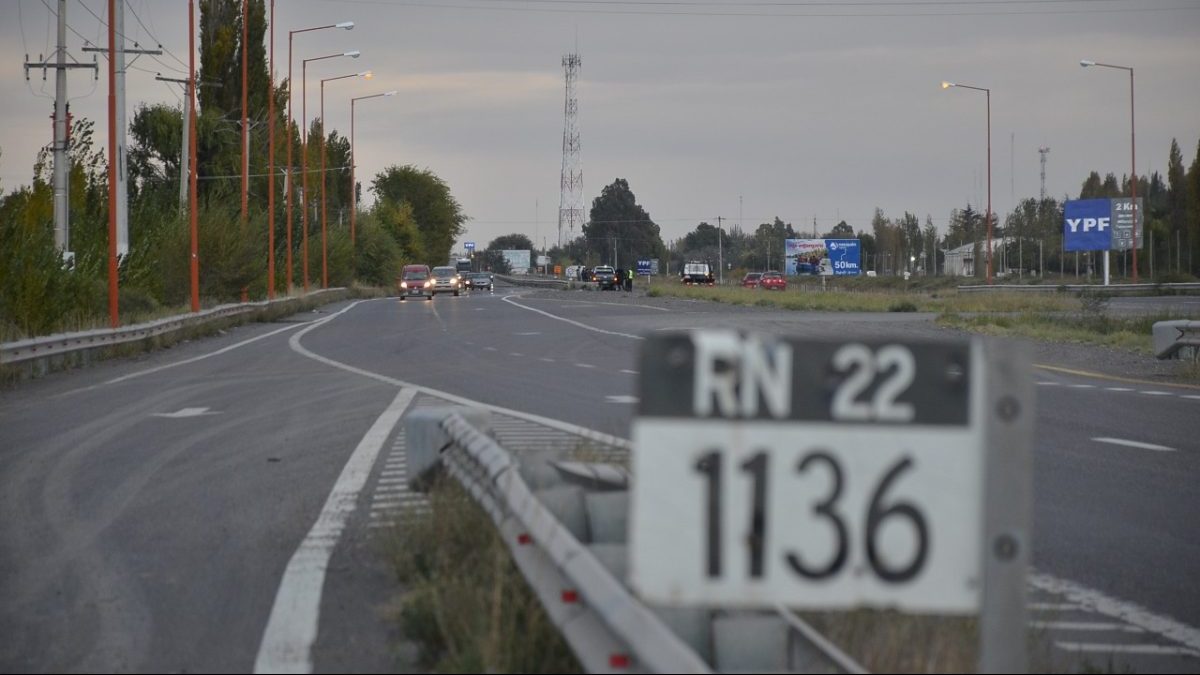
x,y
353,195
988,92
354,54
344,25
1133,162
366,75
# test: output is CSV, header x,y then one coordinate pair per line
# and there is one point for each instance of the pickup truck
x,y
605,278
696,273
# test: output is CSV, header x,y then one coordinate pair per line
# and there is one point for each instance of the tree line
x,y
415,218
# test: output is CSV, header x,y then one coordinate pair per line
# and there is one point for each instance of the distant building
x,y
960,262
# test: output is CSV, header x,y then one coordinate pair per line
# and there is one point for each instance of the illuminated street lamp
x,y
353,200
345,25
304,148
1133,161
988,92
366,75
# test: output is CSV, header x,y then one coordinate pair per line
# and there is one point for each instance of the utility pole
x,y
122,164
62,225
187,130
1043,151
720,255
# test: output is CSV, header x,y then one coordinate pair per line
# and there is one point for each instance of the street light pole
x,y
353,196
304,152
345,25
988,92
1133,160
366,74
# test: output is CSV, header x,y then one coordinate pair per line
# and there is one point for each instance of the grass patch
x,y
891,642
465,602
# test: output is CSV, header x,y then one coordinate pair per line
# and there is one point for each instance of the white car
x,y
444,280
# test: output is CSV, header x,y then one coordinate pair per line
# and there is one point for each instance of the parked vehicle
x,y
606,278
751,279
414,282
697,272
772,281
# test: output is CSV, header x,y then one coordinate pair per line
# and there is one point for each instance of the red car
x,y
772,281
751,279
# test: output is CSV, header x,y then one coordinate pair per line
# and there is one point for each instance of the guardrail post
x,y
425,440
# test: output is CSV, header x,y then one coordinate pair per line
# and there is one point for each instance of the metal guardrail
x,y
581,584
1172,338
1111,289
535,281
61,344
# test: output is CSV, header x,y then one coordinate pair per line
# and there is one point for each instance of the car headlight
x,y
426,284
403,285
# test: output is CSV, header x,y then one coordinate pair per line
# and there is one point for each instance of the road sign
x,y
1101,224
816,474
469,245
643,268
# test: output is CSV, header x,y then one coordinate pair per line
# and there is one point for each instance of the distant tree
x,y
511,242
840,231
618,224
439,218
1193,211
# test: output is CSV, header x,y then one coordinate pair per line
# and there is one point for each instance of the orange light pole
x,y
193,198
271,164
1133,160
245,105
366,74
353,195
114,318
345,25
304,151
947,85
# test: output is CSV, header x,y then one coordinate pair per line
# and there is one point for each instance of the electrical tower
x,y
1043,151
570,205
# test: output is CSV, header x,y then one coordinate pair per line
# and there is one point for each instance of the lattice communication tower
x,y
570,205
1043,151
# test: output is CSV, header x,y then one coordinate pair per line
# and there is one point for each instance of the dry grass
x,y
463,600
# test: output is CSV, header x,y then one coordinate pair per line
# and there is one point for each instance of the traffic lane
x,y
1116,518
1185,306
482,348
147,543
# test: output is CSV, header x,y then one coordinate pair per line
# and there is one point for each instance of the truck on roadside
x,y
696,272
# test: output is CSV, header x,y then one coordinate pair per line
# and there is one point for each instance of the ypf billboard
x,y
1101,224
837,257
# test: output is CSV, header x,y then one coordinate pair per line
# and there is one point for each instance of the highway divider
x,y
1111,289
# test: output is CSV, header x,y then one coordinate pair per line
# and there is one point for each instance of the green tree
x,y
840,231
438,216
618,225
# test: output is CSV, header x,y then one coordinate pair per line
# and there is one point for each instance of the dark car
x,y
772,281
751,279
477,281
605,278
415,283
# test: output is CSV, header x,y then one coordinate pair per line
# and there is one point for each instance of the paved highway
x,y
152,506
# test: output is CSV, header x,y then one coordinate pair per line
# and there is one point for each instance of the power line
x,y
151,34
135,42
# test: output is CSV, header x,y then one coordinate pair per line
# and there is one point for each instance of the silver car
x,y
445,280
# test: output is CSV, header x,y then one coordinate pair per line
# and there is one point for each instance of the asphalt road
x,y
131,541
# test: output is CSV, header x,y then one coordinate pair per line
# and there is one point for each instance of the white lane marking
x,y
584,326
583,432
584,365
1155,650
1119,389
1156,393
515,354
288,639
1133,444
1118,609
1086,626
630,372
621,399
184,362
187,412
1047,383
1054,607
547,360
1082,386
489,349
1192,396
617,304
529,333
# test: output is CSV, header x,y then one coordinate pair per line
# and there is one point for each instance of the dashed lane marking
x,y
1133,444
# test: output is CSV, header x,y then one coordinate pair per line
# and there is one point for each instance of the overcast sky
x,y
742,109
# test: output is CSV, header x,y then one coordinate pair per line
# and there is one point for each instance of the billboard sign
x,y
518,261
829,257
1101,224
